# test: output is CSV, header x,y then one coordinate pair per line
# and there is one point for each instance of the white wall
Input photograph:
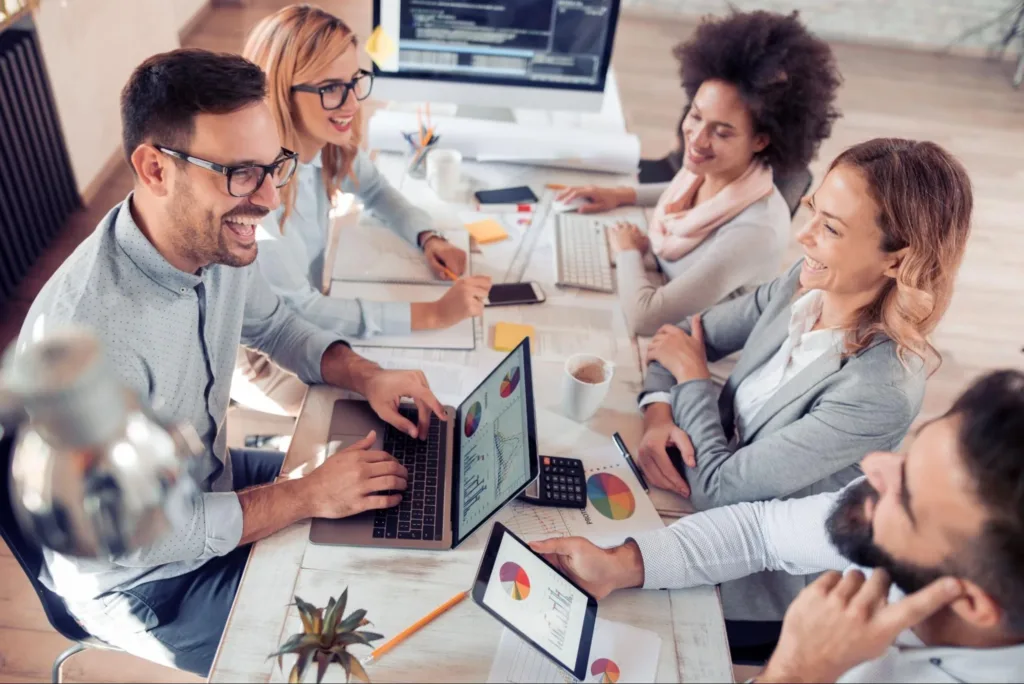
x,y
90,48
184,10
919,23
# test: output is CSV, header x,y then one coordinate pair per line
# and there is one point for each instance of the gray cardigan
x,y
807,439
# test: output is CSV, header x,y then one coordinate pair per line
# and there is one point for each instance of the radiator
x,y
37,187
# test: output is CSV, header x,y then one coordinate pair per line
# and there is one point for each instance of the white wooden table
x,y
397,587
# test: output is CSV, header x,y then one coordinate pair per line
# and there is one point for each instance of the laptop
x,y
467,469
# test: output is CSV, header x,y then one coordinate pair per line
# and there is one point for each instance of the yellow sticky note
x,y
507,336
381,47
486,231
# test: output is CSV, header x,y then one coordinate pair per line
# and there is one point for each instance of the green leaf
x,y
300,666
349,639
318,622
323,660
334,612
352,621
345,659
369,636
306,612
296,643
358,671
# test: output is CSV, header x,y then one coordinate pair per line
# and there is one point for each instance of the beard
x,y
201,235
853,535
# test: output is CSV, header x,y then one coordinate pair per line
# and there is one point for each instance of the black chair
x,y
30,557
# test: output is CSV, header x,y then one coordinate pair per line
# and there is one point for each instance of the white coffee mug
x,y
580,400
444,173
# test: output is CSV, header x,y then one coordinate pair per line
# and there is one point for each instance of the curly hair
x,y
787,77
925,201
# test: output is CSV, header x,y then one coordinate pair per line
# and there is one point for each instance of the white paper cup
x,y
580,400
444,173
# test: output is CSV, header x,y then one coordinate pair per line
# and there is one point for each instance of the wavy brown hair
x,y
291,46
924,201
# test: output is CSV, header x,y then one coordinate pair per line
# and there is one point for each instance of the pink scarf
x,y
677,226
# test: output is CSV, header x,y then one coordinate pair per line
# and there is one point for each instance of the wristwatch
x,y
427,235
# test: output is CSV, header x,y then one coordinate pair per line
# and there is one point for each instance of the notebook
x,y
462,335
369,252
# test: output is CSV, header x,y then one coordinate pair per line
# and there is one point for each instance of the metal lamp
x,y
94,472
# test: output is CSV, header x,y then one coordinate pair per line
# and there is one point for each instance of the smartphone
x,y
509,294
518,195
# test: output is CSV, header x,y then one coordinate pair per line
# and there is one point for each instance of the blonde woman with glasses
x,y
315,91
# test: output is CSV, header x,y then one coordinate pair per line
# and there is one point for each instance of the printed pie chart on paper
x,y
604,671
514,581
611,496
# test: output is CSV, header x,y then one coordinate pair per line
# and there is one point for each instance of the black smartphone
x,y
536,601
518,195
509,294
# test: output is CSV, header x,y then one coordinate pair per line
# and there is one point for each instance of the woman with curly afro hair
x,y
761,90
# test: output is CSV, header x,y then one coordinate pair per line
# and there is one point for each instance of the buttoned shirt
x,y
731,542
172,338
292,259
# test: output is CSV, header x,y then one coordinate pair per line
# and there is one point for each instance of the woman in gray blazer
x,y
834,352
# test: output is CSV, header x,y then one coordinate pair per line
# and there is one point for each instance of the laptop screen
x,y
496,456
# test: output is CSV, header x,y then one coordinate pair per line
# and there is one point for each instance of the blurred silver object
x,y
94,473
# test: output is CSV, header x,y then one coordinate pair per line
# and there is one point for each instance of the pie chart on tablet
x,y
473,418
514,581
509,383
610,496
604,671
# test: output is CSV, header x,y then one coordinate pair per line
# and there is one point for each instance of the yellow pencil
x,y
415,627
448,273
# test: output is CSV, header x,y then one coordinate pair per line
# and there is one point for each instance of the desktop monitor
x,y
530,54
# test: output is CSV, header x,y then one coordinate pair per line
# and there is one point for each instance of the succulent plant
x,y
326,638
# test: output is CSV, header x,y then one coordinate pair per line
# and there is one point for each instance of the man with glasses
x,y
167,284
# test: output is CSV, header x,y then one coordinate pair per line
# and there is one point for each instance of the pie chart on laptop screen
x,y
509,383
610,496
514,581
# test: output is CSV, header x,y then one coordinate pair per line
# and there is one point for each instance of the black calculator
x,y
561,483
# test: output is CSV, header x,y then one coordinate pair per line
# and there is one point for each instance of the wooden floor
x,y
966,105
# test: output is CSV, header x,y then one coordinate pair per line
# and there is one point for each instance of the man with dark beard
x,y
166,283
943,522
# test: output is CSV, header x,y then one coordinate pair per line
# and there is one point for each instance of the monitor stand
x,y
503,114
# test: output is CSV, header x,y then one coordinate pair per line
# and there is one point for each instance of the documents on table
x,y
462,335
619,653
450,382
369,252
617,506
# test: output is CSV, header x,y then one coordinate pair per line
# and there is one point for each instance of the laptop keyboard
x,y
420,515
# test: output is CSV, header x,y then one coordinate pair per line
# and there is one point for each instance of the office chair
x,y
30,557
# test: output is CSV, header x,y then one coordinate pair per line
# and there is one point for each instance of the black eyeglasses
x,y
334,94
245,179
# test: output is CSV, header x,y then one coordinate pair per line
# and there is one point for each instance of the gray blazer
x,y
807,439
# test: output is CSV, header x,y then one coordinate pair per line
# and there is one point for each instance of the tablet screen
x,y
537,601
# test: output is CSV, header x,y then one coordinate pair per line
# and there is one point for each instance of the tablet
x,y
536,601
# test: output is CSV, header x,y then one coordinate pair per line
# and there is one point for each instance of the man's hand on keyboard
x,y
385,389
350,481
598,199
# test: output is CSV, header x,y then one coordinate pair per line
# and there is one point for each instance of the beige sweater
x,y
743,253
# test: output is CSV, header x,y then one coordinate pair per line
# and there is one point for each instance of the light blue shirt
x,y
172,336
293,261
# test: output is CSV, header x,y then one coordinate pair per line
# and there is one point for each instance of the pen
x,y
629,460
413,628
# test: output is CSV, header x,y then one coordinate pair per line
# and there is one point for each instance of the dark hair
x,y
991,416
787,77
166,92
924,200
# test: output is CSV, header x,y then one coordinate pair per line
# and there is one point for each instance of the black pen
x,y
629,460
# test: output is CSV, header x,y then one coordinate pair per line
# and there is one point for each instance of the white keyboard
x,y
581,253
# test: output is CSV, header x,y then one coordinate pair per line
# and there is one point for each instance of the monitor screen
x,y
564,44
497,443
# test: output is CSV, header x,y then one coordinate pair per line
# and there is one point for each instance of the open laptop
x,y
470,466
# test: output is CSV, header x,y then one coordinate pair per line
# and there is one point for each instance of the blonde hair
x,y
924,200
291,46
